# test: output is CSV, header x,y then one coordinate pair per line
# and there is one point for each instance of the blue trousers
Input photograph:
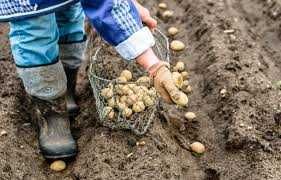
x,y
43,45
34,41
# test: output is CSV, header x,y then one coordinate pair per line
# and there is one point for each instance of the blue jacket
x,y
117,21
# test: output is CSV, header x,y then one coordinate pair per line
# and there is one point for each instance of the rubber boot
x,y
71,105
55,138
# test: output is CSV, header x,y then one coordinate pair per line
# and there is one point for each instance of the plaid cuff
x,y
136,44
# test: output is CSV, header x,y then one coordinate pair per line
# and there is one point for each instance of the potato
x,y
145,81
132,86
111,102
109,112
185,75
121,79
190,116
177,45
179,67
58,166
126,74
107,93
144,89
162,5
173,31
168,14
178,80
123,99
152,92
187,89
180,98
132,99
198,148
138,107
148,101
118,89
126,90
127,112
121,106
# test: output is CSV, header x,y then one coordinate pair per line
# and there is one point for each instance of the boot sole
x,y
60,156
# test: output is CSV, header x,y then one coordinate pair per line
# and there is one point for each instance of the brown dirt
x,y
242,137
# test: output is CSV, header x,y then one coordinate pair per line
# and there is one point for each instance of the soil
x,y
240,128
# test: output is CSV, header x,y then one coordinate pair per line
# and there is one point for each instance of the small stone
x,y
190,116
58,166
173,31
249,128
232,38
198,147
242,125
130,155
177,45
141,143
229,31
223,92
162,5
3,133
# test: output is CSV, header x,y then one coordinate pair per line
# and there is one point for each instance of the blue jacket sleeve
x,y
119,23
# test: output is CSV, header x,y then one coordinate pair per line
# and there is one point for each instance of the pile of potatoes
x,y
128,97
180,77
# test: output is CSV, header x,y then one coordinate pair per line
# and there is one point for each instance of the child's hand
x,y
162,76
145,16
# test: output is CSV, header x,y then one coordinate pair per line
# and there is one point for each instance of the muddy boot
x,y
55,139
71,105
71,55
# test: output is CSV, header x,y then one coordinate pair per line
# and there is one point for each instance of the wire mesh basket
x,y
105,68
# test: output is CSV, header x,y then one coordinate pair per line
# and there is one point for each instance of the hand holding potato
x,y
165,85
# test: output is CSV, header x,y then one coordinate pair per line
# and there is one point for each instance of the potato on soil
x,y
162,5
138,107
198,148
168,14
173,31
190,116
126,74
178,80
58,166
107,93
177,45
127,112
179,66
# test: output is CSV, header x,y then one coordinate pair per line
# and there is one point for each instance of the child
x,y
47,41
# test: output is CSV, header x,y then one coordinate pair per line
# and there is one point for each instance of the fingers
x,y
146,17
150,22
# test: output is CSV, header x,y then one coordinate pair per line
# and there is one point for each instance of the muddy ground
x,y
241,129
